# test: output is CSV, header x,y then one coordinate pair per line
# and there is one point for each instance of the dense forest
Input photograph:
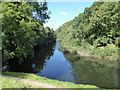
x,y
96,30
23,29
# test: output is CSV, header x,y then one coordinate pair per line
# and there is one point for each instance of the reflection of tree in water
x,y
35,64
41,54
102,73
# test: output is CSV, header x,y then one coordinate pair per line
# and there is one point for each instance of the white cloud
x,y
64,13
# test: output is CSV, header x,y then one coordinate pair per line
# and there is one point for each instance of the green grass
x,y
47,81
110,51
10,83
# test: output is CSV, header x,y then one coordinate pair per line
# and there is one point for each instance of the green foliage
x,y
22,28
110,51
98,26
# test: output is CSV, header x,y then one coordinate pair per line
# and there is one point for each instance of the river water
x,y
52,62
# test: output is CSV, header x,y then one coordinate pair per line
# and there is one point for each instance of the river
x,y
52,62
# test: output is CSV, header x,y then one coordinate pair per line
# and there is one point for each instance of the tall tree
x,y
22,28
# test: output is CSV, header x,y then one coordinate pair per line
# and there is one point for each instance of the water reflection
x,y
53,62
33,65
57,67
102,73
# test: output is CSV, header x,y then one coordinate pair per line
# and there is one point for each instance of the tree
x,y
21,30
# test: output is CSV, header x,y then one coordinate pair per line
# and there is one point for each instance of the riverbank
x,y
109,52
12,83
45,80
23,83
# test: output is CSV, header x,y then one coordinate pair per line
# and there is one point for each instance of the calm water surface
x,y
52,62
57,67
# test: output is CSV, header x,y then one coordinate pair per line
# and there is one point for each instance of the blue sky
x,y
62,12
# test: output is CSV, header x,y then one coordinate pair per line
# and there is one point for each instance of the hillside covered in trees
x,y
22,29
96,30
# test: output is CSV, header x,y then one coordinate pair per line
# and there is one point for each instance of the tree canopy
x,y
98,26
22,28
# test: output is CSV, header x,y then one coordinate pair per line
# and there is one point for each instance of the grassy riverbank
x,y
10,83
108,52
33,77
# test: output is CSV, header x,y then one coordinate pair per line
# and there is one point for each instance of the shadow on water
x,y
35,64
53,62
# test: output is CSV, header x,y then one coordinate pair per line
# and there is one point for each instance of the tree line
x,y
96,30
23,28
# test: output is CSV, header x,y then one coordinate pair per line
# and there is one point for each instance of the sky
x,y
62,12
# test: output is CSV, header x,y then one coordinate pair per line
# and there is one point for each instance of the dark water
x,y
52,62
